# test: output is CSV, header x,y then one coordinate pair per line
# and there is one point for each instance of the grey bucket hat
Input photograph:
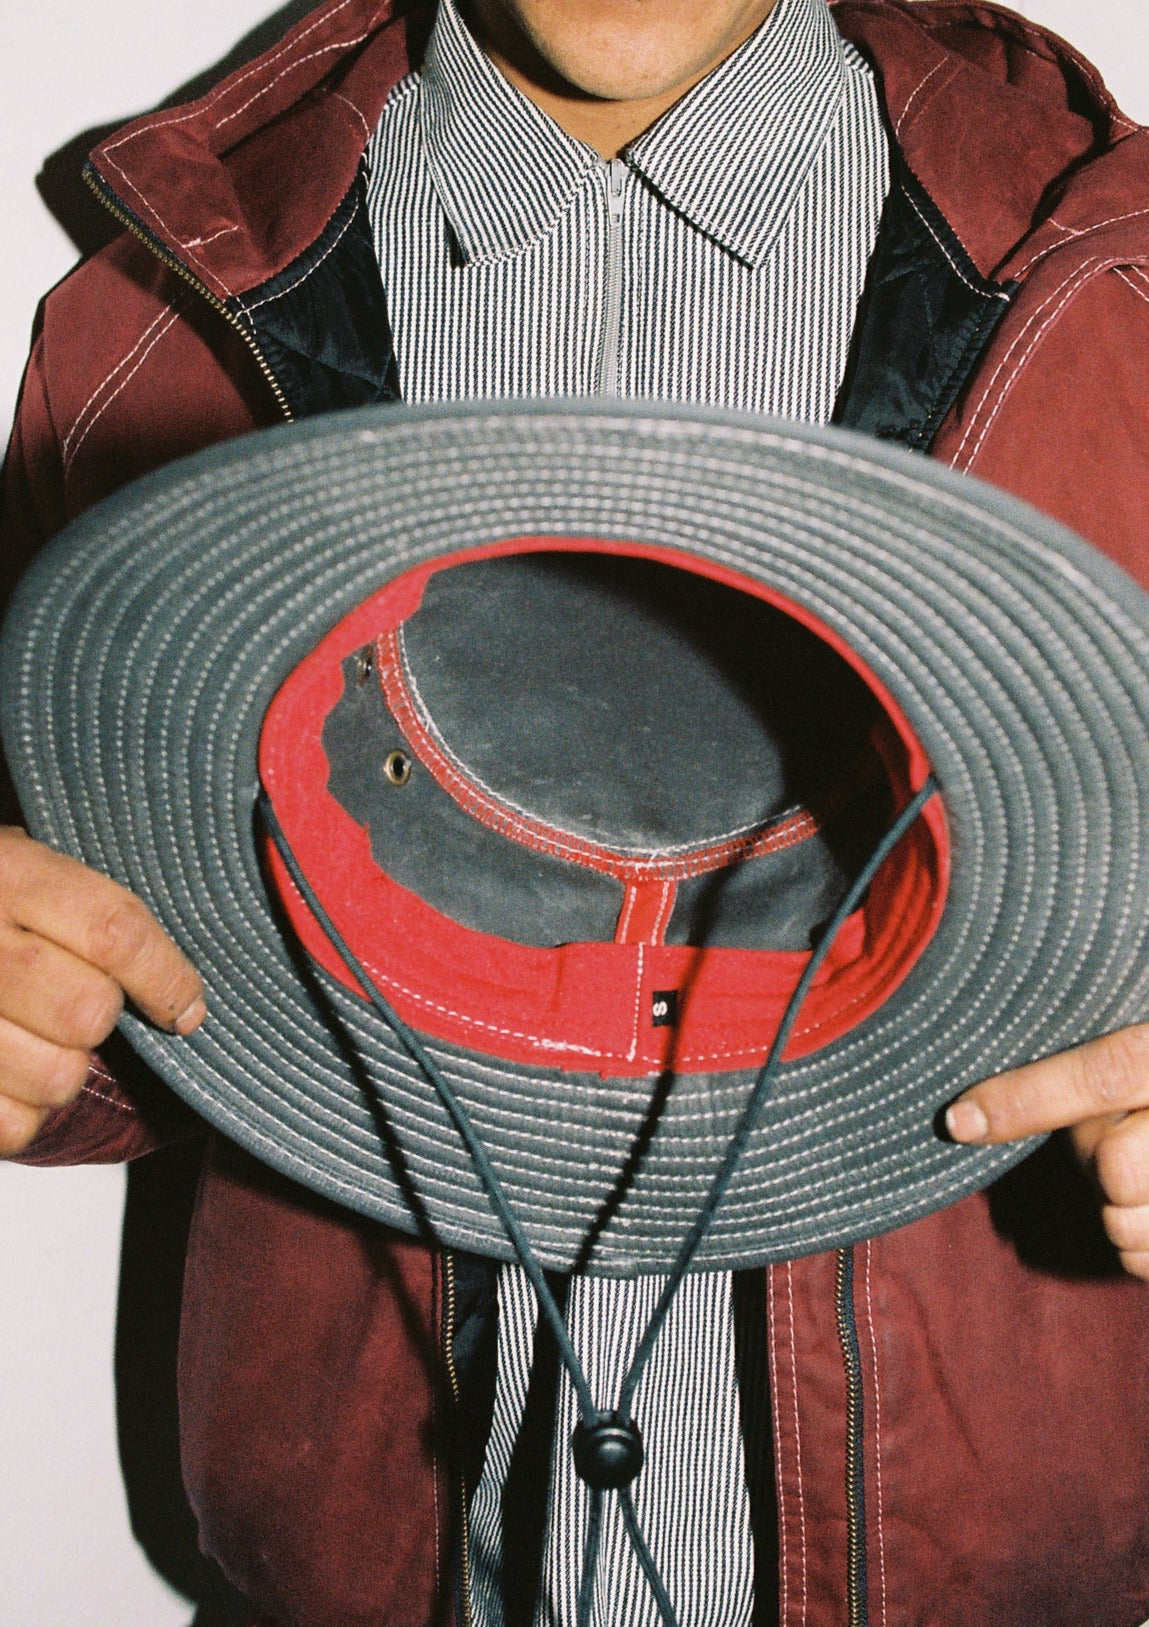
x,y
443,638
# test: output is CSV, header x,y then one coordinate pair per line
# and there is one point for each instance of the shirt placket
x,y
618,179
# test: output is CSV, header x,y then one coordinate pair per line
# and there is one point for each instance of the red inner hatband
x,y
585,1006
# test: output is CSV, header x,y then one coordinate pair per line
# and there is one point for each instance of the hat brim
x,y
143,649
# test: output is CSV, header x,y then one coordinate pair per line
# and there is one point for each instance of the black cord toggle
x,y
608,1454
606,1446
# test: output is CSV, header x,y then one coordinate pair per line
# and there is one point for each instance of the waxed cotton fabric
x,y
143,649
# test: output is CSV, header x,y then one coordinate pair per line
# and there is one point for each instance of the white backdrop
x,y
67,1555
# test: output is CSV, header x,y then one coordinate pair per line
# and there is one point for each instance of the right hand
x,y
73,947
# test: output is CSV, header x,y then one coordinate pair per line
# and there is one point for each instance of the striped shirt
x,y
720,260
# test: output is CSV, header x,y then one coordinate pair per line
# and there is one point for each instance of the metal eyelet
x,y
364,662
397,767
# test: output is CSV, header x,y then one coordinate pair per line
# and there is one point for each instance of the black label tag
x,y
663,1008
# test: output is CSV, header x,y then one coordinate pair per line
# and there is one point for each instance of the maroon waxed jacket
x,y
997,1396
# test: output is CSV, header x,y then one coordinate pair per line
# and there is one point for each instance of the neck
x,y
607,126
608,123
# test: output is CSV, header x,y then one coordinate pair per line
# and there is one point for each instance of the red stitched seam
x,y
665,908
437,1269
1126,273
108,1101
772,1272
880,1521
771,836
797,1439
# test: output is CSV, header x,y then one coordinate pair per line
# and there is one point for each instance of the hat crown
x,y
627,702
568,726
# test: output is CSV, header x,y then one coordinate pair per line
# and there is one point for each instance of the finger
x,y
53,994
1136,1264
36,1073
1127,1229
1121,1162
57,898
19,1125
1086,1135
1108,1075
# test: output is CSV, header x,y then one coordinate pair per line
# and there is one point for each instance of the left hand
x,y
1100,1093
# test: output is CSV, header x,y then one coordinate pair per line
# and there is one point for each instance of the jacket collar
x,y
205,180
993,116
731,157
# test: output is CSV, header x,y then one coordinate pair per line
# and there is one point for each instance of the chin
x,y
620,73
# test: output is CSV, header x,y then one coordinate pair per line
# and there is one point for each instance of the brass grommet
x,y
397,767
364,661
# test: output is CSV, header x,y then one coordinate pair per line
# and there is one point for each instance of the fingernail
x,y
965,1121
192,1017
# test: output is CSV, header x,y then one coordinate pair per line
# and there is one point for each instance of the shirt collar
x,y
731,156
503,169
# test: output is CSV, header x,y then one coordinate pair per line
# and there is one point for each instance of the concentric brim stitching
x,y
874,542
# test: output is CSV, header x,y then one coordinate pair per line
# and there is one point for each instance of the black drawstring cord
x,y
459,1117
616,1430
590,1552
762,1084
645,1559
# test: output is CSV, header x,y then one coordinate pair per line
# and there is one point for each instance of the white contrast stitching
x,y
1070,287
1071,233
437,1308
749,1053
324,50
633,1051
660,920
150,209
869,1303
1004,363
107,379
783,1556
229,85
779,832
338,96
173,318
228,88
957,270
914,94
492,1028
797,1435
1127,273
109,1101
269,298
202,242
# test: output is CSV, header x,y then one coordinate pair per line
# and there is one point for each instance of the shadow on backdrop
x,y
68,200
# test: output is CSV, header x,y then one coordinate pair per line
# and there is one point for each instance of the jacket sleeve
x,y
122,1110
32,505
1059,414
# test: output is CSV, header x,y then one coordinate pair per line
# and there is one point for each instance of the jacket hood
x,y
1009,130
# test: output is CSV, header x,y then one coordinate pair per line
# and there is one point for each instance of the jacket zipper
x,y
464,1591
96,185
616,174
855,1462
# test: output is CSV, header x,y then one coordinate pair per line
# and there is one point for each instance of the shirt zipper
x,y
464,1611
616,176
107,198
856,1602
